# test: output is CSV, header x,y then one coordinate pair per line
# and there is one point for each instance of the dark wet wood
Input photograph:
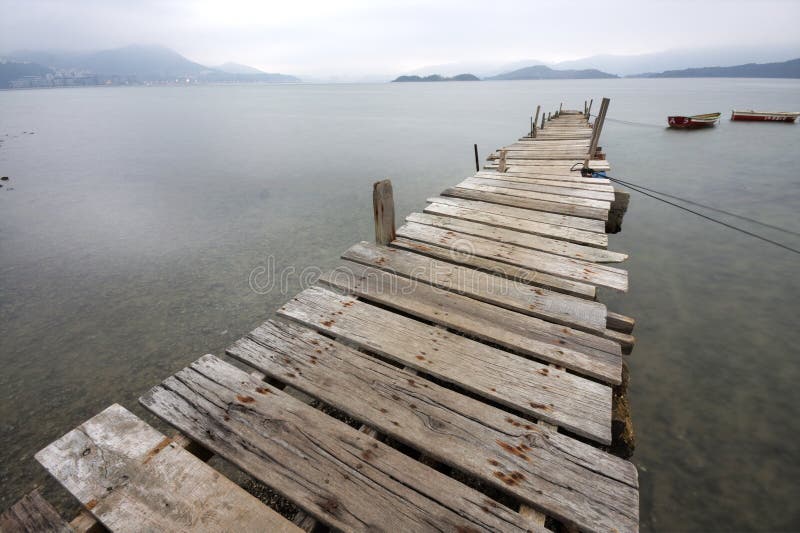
x,y
33,514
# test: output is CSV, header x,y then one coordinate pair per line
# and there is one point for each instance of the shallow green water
x,y
138,215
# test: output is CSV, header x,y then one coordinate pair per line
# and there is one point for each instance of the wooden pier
x,y
458,374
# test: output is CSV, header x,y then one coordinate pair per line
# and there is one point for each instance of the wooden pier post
x,y
477,163
542,120
596,130
383,211
535,121
501,163
589,109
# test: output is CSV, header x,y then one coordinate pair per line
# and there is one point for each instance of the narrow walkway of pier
x,y
457,374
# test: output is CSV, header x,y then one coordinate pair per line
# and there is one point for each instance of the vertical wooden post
x,y
596,130
542,120
548,116
383,211
560,106
531,134
584,106
501,164
589,111
536,120
477,164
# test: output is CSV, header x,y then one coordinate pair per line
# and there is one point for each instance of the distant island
x,y
536,72
784,69
436,77
542,72
130,65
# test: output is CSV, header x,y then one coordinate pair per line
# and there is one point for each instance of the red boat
x,y
694,121
765,116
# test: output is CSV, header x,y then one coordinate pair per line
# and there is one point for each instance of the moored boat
x,y
694,121
765,116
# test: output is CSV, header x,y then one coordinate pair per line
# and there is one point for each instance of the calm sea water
x,y
138,214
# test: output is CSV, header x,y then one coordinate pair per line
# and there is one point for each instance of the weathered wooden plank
x,y
552,306
133,478
588,238
586,354
519,238
556,265
567,400
527,203
520,274
561,174
621,323
546,179
559,155
451,428
568,151
33,514
584,224
556,180
527,142
568,164
571,200
552,136
626,341
564,190
342,477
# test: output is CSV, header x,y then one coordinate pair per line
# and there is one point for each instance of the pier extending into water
x,y
458,374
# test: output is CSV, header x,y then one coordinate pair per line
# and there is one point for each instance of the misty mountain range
x,y
135,63
628,65
784,69
156,64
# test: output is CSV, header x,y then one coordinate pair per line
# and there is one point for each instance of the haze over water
x,y
138,214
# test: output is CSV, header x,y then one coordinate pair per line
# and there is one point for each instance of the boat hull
x,y
750,116
680,122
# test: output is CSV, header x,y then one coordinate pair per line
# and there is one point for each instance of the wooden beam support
x,y
597,129
383,211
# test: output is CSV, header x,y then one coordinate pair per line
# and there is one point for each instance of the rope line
x,y
753,220
630,122
711,219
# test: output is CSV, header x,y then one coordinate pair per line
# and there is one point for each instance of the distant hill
x,y
145,63
437,77
237,68
683,58
216,76
541,72
784,69
142,63
11,70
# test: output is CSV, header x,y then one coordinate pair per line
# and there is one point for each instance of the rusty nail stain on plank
x,y
157,448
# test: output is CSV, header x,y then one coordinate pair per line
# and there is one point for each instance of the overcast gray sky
x,y
320,37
